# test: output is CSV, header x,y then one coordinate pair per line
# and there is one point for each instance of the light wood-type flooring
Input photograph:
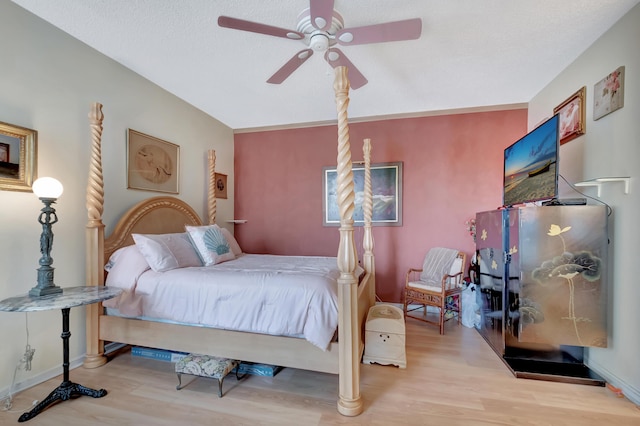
x,y
455,379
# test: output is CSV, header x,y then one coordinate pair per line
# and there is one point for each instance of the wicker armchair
x,y
440,277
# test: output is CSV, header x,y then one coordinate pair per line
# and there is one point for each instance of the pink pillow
x,y
125,267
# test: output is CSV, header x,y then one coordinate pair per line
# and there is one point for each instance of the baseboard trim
x,y
630,392
38,378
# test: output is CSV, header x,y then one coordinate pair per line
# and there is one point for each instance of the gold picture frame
x,y
221,186
18,148
572,121
152,163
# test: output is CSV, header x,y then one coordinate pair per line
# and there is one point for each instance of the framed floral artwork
x,y
571,115
608,94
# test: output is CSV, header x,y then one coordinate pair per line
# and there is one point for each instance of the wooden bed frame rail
x,y
155,215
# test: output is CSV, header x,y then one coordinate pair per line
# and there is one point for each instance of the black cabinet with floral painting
x,y
543,288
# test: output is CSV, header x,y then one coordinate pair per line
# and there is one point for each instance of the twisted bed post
x,y
350,401
95,238
211,198
367,209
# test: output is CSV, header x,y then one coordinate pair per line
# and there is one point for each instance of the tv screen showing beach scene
x,y
530,166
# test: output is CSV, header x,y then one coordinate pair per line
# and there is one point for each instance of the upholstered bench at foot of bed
x,y
206,366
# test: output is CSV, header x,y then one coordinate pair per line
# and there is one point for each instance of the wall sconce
x,y
48,190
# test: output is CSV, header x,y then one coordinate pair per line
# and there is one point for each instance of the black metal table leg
x,y
67,389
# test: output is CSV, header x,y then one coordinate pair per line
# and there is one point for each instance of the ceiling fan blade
x,y
321,12
336,58
254,27
293,64
409,29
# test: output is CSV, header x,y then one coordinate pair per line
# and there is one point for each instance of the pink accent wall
x,y
452,168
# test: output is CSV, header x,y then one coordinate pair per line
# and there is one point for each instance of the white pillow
x,y
164,252
211,244
125,267
235,247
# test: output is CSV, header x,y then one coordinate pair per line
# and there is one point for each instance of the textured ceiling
x,y
472,53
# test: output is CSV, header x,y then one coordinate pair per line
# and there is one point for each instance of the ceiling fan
x,y
320,28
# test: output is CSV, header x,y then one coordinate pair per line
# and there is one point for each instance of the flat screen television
x,y
531,166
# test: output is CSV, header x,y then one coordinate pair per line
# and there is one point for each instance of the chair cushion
x,y
436,287
437,263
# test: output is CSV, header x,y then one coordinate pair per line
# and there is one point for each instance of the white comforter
x,y
282,295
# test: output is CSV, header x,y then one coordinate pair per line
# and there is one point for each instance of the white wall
x,y
610,147
48,81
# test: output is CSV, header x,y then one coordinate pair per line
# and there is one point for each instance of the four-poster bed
x,y
159,215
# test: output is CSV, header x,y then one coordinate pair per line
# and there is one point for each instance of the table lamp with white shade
x,y
48,190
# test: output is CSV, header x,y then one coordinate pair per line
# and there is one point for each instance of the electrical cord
x,y
609,209
24,361
28,352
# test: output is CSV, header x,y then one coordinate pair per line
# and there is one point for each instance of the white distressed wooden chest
x,y
385,336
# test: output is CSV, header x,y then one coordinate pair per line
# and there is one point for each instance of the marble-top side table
x,y
69,298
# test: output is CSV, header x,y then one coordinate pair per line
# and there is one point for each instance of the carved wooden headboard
x,y
157,215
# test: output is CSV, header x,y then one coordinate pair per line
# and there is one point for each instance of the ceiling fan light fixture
x,y
319,42
320,27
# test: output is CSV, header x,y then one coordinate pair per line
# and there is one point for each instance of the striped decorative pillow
x,y
437,264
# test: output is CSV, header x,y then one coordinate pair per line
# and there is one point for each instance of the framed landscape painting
x,y
386,184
